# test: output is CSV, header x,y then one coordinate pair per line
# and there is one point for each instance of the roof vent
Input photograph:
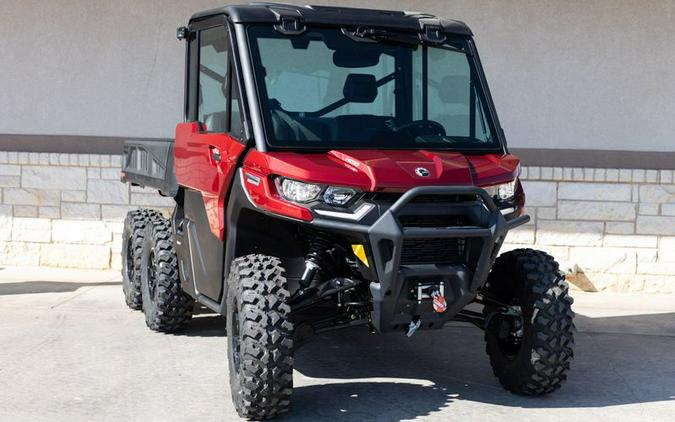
x,y
432,31
290,21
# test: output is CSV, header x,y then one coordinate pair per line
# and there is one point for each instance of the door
x,y
207,150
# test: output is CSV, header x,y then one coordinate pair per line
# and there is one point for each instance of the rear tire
x,y
260,337
167,308
535,363
132,245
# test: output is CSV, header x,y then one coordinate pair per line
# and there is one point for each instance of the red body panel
x,y
372,170
197,169
384,170
368,170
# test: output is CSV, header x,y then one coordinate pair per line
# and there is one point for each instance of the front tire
x,y
260,337
166,307
531,344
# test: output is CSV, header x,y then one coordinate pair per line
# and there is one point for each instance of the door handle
x,y
215,155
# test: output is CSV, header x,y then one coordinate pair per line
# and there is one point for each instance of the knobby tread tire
x,y
541,364
257,292
169,309
133,235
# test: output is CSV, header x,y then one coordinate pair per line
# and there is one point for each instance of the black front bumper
x,y
399,272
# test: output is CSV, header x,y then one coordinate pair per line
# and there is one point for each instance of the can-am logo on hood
x,y
422,172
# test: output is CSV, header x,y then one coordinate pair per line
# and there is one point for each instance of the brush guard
x,y
395,298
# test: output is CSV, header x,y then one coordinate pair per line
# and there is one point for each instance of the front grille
x,y
433,220
442,199
433,251
391,197
385,197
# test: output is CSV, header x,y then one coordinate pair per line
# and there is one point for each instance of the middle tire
x,y
260,337
167,308
132,245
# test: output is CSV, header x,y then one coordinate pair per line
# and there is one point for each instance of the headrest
x,y
455,89
360,88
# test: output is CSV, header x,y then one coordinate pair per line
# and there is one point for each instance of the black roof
x,y
339,16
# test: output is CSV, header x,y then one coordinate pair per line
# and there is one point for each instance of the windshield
x,y
329,88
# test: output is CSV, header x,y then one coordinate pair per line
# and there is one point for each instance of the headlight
x,y
295,191
303,192
338,196
504,191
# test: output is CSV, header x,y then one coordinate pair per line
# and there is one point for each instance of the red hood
x,y
393,170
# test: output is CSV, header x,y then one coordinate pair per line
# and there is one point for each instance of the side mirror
x,y
182,33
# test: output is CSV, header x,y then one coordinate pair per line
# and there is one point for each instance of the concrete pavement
x,y
71,351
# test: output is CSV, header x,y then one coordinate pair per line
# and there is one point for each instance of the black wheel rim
x,y
152,274
234,339
129,261
509,346
508,330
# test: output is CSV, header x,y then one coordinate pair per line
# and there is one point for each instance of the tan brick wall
x,y
613,229
65,210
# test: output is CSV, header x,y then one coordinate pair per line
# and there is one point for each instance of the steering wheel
x,y
421,128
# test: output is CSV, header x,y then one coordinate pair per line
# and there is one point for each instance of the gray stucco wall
x,y
573,74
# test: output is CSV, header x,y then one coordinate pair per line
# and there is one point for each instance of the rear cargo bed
x,y
149,163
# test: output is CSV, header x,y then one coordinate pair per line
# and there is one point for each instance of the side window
x,y
213,79
236,121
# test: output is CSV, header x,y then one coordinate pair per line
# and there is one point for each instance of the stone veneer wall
x,y
612,229
65,210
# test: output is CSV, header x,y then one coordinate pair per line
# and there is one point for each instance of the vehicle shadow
x,y
390,377
34,287
353,375
204,323
367,401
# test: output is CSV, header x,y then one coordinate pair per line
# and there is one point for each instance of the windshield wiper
x,y
431,139
383,35
452,48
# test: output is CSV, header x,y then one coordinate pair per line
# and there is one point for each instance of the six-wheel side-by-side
x,y
336,168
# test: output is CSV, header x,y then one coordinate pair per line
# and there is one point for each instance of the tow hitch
x,y
414,325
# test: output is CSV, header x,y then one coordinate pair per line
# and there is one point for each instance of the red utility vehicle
x,y
337,168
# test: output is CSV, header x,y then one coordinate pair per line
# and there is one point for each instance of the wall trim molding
x,y
71,144
546,157
543,157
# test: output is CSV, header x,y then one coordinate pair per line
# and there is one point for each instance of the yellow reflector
x,y
360,252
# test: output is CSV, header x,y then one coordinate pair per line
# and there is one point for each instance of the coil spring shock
x,y
316,254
